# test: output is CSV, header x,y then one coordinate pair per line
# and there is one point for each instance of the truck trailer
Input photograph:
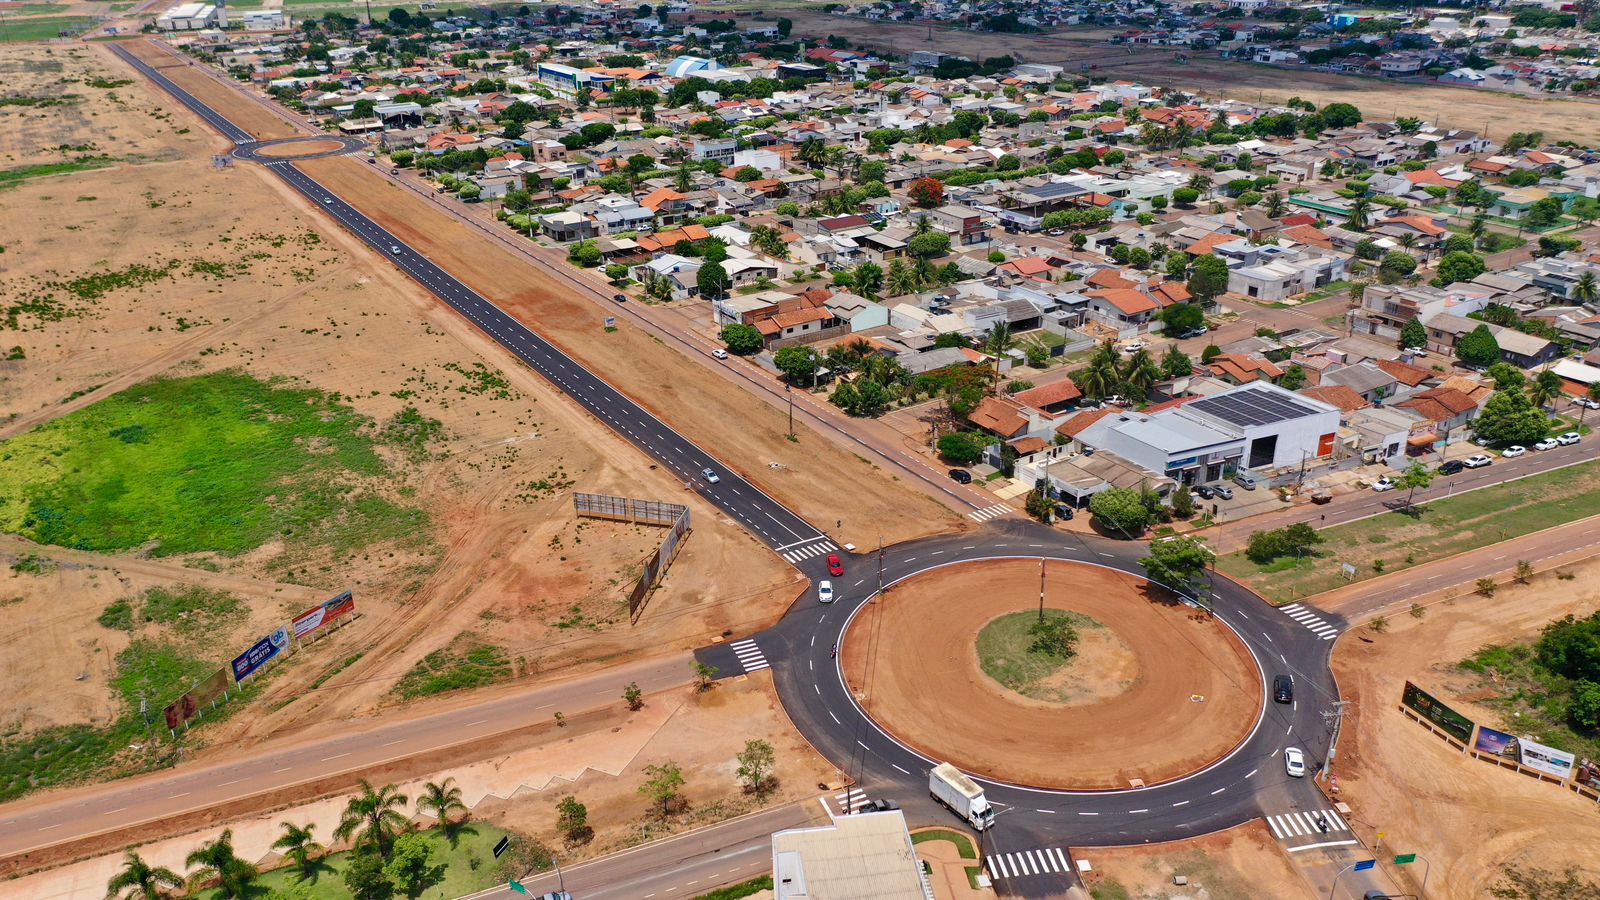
x,y
951,787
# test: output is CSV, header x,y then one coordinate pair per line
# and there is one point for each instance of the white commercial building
x,y
188,17
866,856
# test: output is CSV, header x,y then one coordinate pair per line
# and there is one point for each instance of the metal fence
x,y
674,516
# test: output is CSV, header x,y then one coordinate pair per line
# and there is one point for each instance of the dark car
x,y
880,806
1452,467
1065,512
1205,492
1283,688
620,298
960,476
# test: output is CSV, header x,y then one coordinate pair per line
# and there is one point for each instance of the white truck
x,y
951,787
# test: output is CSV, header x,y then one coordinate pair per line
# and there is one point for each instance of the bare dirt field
x,y
299,149
1496,113
912,661
1242,863
1469,818
264,288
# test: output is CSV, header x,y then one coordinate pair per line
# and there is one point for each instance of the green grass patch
x,y
118,616
467,663
43,29
39,102
962,842
15,176
193,611
221,462
468,864
742,889
1005,652
1530,699
1110,889
1440,528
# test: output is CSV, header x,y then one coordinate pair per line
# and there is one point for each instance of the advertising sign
x,y
1443,717
189,705
318,616
1531,754
245,664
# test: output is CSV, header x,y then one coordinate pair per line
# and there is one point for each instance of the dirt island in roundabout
x,y
1137,687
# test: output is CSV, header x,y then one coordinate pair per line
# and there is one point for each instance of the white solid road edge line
x,y
1323,844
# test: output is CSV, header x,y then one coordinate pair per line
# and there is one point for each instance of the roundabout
x,y
1148,672
298,149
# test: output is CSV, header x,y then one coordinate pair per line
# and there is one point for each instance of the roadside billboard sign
x,y
206,690
318,616
1531,754
246,663
1443,717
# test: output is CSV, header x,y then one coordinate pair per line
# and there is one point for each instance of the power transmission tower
x,y
1334,715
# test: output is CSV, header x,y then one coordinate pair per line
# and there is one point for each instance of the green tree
x,y
704,675
928,245
711,280
1293,378
867,278
1359,215
1583,712
756,762
1510,417
1459,266
1413,336
585,254
1054,635
1295,540
1179,562
1181,317
1176,363
1478,347
1546,388
798,364
1208,278
1396,265
138,880
373,818
742,339
298,845
1506,376
1140,373
1341,115
998,339
963,448
1416,477
662,784
1120,510
411,867
365,879
572,820
215,861
441,799
633,696
1585,289
900,279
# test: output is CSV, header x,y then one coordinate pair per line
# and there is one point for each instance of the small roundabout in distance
x,y
945,662
298,149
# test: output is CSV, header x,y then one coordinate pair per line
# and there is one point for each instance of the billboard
x,y
264,650
1443,717
318,616
206,690
1530,754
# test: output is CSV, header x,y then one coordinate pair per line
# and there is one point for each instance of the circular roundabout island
x,y
1121,685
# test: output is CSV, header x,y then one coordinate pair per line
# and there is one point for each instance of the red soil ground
x,y
912,662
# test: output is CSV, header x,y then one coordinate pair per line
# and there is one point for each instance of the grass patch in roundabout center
x,y
1007,652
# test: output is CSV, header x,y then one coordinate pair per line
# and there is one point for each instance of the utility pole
x,y
1041,589
789,393
1335,714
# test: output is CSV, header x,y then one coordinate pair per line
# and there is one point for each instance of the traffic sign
x,y
517,886
501,847
1405,858
1365,864
611,321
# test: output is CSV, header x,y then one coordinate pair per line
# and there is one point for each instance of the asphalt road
x,y
65,816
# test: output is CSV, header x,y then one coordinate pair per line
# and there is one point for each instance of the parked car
x,y
1283,688
1205,491
824,592
1294,762
711,475
1567,439
880,806
1451,467
1223,491
720,353
1586,403
1246,480
1133,347
1513,451
1478,461
835,567
1384,483
1194,332
960,476
1065,512
1546,444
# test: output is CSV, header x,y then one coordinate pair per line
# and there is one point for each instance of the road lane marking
x,y
335,756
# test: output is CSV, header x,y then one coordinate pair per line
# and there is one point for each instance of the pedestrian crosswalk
x,y
750,656
1302,827
1311,620
806,551
845,802
989,512
1028,862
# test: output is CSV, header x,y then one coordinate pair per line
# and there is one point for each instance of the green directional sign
x,y
1404,858
517,886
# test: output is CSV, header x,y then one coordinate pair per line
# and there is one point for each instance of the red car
x,y
835,567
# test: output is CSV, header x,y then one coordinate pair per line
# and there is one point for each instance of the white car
x,y
1513,451
1134,347
1586,403
1294,762
1477,461
1567,439
710,475
394,249
824,592
1384,484
720,353
1546,444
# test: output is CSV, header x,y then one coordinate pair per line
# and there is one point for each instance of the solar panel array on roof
x,y
1054,190
1251,406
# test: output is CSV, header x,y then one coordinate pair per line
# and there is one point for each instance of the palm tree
x,y
866,278
441,799
1200,182
1478,227
901,279
999,339
1358,218
1408,240
373,817
1545,389
1140,373
298,845
139,880
923,226
1274,207
812,151
216,861
1586,291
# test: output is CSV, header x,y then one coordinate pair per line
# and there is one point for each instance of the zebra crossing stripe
x,y
749,655
1019,863
1301,824
809,550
